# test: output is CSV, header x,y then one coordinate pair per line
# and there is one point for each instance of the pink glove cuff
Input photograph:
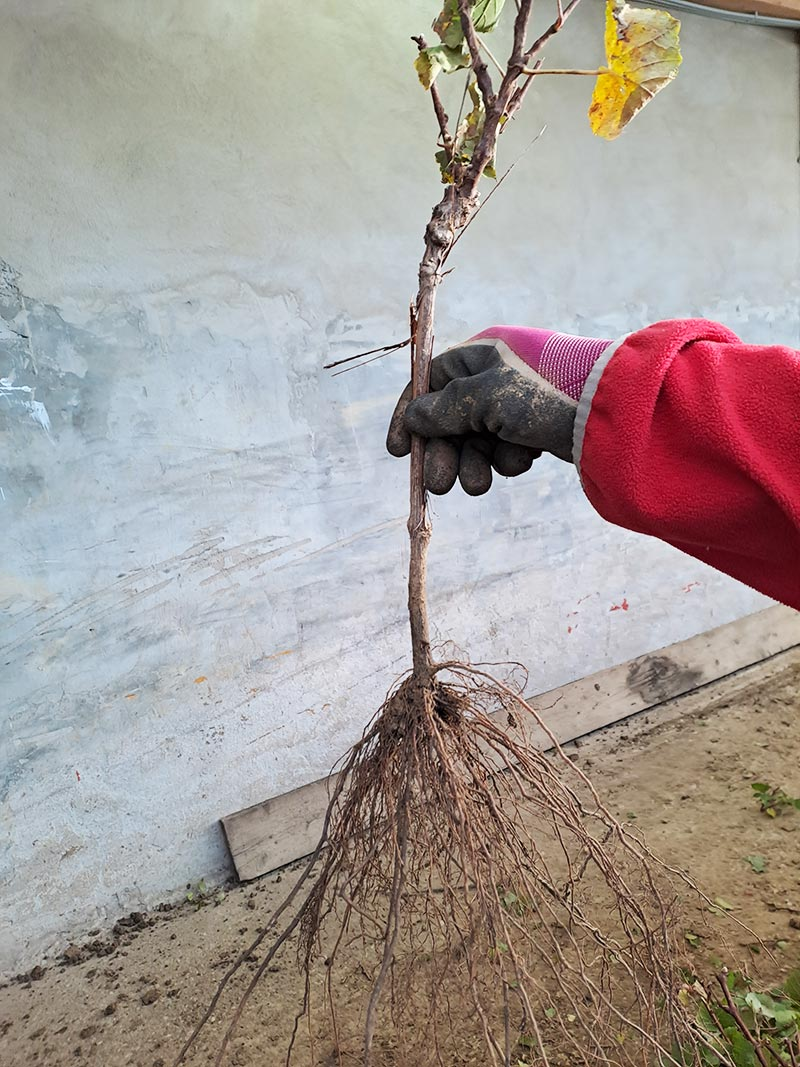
x,y
560,359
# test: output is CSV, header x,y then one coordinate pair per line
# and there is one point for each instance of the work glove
x,y
497,401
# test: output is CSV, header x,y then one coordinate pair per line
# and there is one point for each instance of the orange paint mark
x,y
202,678
620,607
131,696
285,652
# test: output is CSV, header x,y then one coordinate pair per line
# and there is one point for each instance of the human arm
x,y
680,431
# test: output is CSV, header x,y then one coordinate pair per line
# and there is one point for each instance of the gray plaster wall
x,y
203,541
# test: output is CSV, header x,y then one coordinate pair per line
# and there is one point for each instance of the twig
x,y
383,351
553,29
522,65
488,52
473,44
589,73
438,106
357,366
521,90
740,1021
497,185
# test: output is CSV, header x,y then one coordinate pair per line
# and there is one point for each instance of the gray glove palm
x,y
497,401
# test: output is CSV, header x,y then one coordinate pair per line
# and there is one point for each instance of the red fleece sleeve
x,y
694,437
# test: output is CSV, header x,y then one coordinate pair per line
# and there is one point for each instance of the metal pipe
x,y
691,8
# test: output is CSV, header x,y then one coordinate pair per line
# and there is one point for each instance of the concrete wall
x,y
203,546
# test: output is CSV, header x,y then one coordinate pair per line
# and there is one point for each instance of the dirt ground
x,y
129,996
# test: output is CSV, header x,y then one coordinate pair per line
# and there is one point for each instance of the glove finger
x,y
398,439
511,460
475,467
451,412
441,466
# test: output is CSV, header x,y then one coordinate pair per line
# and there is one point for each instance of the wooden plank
x,y
277,831
782,9
285,828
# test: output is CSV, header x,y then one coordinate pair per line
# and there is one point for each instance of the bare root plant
x,y
497,911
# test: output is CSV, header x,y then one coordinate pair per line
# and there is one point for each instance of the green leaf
x,y
550,1013
438,59
724,1018
706,1020
447,26
486,14
509,898
760,787
791,986
693,939
707,1058
763,1004
445,166
471,127
742,1052
527,1042
466,141
758,863
723,904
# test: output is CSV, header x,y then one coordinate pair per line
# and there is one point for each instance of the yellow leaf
x,y
643,56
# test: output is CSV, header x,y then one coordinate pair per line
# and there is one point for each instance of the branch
x,y
501,105
521,90
438,106
525,58
478,62
740,1021
494,189
524,9
540,42
488,52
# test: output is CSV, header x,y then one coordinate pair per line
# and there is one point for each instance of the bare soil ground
x,y
129,997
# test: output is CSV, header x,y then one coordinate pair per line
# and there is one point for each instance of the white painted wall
x,y
202,539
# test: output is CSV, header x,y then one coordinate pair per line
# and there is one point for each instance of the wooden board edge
x,y
287,827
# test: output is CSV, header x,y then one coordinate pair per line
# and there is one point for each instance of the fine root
x,y
497,912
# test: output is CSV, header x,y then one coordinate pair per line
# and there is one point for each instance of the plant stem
x,y
449,215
